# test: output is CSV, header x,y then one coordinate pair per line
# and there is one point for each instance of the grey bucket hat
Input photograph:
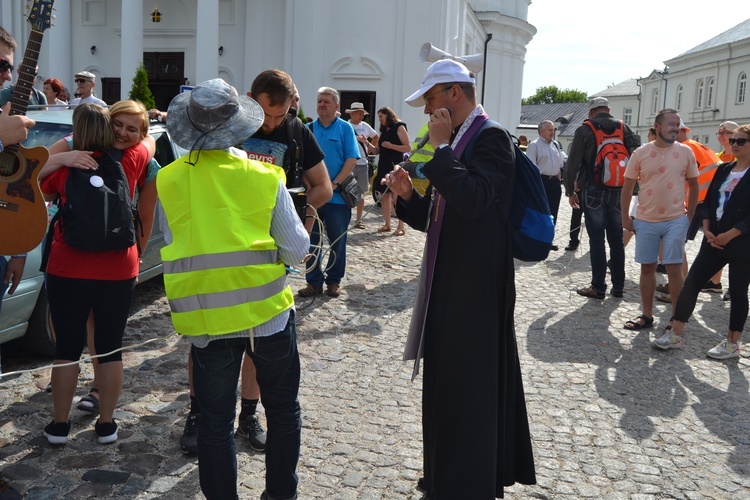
x,y
212,116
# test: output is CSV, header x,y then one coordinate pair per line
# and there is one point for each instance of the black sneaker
x,y
711,287
253,431
660,268
57,432
107,431
189,439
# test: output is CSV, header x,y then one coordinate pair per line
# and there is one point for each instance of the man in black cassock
x,y
475,426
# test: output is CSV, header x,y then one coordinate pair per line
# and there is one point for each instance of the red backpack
x,y
611,156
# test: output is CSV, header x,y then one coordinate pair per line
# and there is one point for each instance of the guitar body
x,y
23,212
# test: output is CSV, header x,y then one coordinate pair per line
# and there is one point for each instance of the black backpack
x,y
98,214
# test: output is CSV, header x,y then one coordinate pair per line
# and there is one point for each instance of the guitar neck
x,y
20,101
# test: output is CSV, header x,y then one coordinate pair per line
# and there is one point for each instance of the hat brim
x,y
417,98
350,111
235,130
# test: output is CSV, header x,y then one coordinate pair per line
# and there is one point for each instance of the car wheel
x,y
40,335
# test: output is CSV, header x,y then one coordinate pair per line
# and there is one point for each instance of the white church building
x,y
369,51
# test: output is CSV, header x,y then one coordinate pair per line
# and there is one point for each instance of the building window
x,y
710,93
678,98
627,115
699,87
741,88
654,101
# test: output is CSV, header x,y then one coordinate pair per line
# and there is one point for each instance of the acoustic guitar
x,y
23,213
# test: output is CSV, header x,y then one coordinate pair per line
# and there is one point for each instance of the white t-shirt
x,y
363,128
90,99
726,189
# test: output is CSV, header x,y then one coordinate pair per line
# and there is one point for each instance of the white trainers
x,y
725,350
668,341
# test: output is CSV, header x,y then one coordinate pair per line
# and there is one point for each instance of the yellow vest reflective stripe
x,y
227,299
221,271
228,259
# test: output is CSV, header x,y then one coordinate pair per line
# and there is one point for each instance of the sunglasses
x,y
80,80
724,132
739,142
5,66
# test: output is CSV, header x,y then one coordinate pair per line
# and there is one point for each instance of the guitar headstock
x,y
40,15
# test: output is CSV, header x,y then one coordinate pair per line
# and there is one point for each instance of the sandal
x,y
359,225
639,323
399,232
90,402
591,292
384,229
663,288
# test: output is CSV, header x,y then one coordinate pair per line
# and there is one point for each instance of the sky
x,y
589,45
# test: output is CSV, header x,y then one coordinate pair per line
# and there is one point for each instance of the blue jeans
x,y
216,369
603,216
336,219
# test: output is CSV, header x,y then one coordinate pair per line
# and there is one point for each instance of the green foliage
x,y
140,91
301,115
552,95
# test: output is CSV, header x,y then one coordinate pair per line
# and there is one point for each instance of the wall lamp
x,y
221,50
93,50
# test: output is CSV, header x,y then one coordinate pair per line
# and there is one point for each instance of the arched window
x,y
699,87
654,101
741,88
678,98
710,93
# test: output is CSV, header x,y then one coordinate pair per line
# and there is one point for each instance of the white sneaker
x,y
725,350
668,341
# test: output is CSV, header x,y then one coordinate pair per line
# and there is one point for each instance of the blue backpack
x,y
529,215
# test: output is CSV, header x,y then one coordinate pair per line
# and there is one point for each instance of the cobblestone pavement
x,y
610,416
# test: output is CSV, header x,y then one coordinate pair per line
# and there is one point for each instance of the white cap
x,y
442,71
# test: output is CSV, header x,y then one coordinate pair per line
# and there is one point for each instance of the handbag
x,y
350,191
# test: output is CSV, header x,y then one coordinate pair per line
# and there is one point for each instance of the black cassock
x,y
475,426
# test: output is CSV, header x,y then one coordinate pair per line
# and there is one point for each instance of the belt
x,y
550,177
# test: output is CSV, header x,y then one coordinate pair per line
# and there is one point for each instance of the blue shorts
x,y
670,234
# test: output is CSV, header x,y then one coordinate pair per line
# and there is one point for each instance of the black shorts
x,y
70,301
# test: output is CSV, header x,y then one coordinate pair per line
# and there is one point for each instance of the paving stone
x,y
610,416
100,476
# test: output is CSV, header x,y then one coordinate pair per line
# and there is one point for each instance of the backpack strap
x,y
294,157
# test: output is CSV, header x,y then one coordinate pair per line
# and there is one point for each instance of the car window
x,y
164,152
46,134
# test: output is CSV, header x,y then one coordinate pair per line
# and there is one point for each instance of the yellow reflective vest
x,y
421,155
222,273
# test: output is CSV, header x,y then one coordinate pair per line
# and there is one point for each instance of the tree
x,y
140,91
552,94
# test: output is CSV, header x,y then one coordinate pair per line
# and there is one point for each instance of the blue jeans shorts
x,y
669,234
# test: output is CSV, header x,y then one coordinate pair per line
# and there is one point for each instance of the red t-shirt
x,y
69,262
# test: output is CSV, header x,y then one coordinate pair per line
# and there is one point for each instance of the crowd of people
x,y
271,193
671,187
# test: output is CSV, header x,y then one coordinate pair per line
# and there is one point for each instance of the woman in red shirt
x,y
80,281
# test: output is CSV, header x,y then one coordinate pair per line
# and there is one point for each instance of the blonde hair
x,y
92,128
129,107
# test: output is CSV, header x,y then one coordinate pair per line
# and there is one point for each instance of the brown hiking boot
x,y
333,290
310,291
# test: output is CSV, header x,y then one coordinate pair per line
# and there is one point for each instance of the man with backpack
x,y
596,165
462,322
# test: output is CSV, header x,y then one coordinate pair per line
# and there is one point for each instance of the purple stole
x,y
415,339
